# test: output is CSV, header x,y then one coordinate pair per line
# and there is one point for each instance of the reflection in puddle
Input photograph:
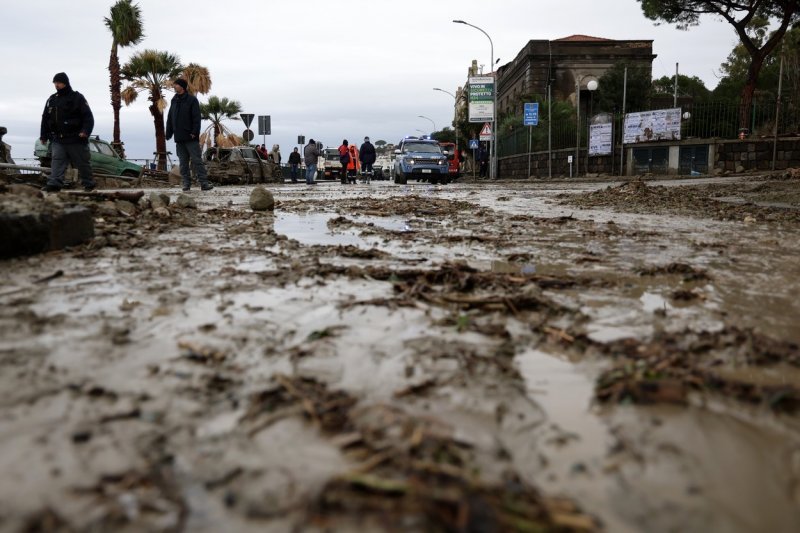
x,y
653,302
312,228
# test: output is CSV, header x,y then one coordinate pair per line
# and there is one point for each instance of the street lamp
x,y
432,122
593,84
493,148
455,110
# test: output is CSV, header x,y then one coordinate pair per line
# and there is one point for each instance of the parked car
x,y
240,165
331,166
103,158
422,159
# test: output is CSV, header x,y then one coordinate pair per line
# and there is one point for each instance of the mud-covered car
x,y
331,167
422,159
240,165
102,157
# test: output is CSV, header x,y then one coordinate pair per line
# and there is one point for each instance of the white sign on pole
x,y
486,132
481,98
658,125
600,140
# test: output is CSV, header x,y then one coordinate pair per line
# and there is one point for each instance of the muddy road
x,y
562,356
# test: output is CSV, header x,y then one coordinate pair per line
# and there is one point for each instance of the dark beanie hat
x,y
182,83
61,78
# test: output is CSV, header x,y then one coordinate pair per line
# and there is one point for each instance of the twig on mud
x,y
274,417
560,333
54,275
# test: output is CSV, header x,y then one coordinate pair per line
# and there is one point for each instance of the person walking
x,y
294,164
344,160
311,156
483,161
67,122
183,121
367,157
276,154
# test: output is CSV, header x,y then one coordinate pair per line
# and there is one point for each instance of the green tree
x,y
611,89
444,135
218,109
740,14
687,86
154,72
125,24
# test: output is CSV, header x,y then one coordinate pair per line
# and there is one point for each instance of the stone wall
x,y
742,156
516,167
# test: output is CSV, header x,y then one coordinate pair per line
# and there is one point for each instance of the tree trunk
x,y
158,122
216,133
749,89
116,100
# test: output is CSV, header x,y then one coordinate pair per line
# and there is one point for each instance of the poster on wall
x,y
657,125
600,139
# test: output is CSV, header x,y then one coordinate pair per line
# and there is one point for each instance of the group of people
x,y
67,123
356,160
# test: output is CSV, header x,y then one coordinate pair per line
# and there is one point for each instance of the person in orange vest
x,y
354,165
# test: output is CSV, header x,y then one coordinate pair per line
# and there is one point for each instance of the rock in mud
x,y
261,200
157,200
30,226
125,207
162,212
185,201
26,190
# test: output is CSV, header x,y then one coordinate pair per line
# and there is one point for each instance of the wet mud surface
x,y
555,356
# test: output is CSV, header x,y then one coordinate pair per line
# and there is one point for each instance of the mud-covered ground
x,y
563,356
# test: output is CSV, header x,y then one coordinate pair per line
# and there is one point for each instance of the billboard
x,y
658,125
481,98
600,139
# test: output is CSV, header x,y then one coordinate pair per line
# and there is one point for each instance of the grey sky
x,y
325,69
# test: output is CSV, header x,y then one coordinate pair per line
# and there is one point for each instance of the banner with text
x,y
600,139
658,125
481,98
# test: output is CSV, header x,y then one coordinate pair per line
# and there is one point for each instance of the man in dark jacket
x,y
183,121
311,156
67,122
367,157
294,164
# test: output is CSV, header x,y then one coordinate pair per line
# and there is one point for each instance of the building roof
x,y
582,38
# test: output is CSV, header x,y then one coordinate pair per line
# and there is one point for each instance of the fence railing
x,y
704,120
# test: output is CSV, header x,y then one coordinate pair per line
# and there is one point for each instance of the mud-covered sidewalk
x,y
563,356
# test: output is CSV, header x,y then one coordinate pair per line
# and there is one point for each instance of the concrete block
x,y
36,231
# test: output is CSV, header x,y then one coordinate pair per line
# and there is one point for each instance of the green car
x,y
104,159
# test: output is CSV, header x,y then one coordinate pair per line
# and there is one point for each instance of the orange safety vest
x,y
354,163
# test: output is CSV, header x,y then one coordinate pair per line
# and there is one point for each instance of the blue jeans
x,y
75,153
294,169
190,150
311,173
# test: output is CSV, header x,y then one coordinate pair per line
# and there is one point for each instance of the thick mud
x,y
484,357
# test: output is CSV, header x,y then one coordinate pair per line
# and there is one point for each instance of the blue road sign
x,y
531,116
473,144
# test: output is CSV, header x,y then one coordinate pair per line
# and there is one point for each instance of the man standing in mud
x,y
67,122
183,121
311,156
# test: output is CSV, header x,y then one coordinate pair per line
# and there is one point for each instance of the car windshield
x,y
106,150
422,147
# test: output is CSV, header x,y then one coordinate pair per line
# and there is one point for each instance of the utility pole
x,y
675,95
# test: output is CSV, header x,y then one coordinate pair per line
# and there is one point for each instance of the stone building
x,y
563,61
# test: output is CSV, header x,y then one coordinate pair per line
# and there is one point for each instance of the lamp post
x,y
578,80
455,110
592,86
432,122
493,148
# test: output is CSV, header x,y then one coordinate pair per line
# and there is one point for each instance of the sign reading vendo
x,y
481,98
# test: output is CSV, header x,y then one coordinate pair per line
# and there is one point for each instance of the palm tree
x,y
218,109
125,25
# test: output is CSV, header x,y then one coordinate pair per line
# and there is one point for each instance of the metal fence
x,y
704,120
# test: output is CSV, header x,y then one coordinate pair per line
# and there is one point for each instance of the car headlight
x,y
410,160
443,161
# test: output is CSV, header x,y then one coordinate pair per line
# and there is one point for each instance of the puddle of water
x,y
312,228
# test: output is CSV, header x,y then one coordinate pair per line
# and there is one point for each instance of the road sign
x,y
264,125
473,144
247,118
481,98
301,139
531,116
486,132
247,135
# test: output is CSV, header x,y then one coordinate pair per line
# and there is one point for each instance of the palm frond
x,y
125,23
129,95
198,78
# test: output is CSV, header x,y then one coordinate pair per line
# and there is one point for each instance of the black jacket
x,y
294,158
66,115
183,119
367,153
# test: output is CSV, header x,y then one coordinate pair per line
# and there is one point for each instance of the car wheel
x,y
130,174
400,180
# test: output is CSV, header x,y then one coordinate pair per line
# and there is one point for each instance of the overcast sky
x,y
323,69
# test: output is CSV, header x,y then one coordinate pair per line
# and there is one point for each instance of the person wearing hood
x,y
183,121
367,156
67,122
